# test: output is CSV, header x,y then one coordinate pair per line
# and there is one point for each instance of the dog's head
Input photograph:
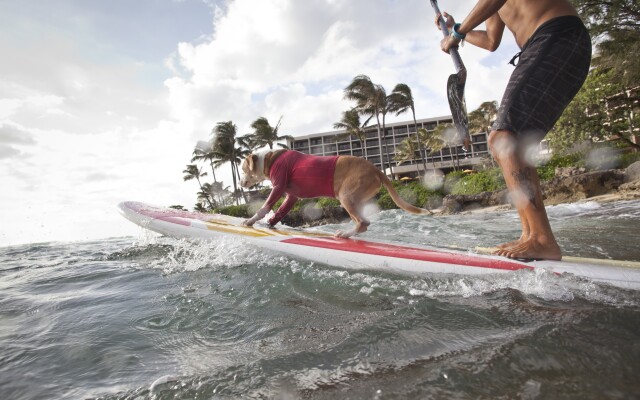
x,y
253,171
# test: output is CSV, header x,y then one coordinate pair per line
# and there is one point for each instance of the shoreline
x,y
603,198
569,186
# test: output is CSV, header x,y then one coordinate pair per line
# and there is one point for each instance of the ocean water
x,y
155,318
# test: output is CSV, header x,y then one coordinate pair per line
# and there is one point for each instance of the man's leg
x,y
537,240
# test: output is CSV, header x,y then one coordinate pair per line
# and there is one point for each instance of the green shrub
x,y
628,159
241,211
413,192
548,171
328,202
384,200
485,181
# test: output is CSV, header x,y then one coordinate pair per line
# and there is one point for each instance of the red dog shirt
x,y
299,176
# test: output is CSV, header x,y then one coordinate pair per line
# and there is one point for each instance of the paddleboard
x,y
365,254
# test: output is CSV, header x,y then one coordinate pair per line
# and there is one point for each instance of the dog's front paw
x,y
343,235
248,222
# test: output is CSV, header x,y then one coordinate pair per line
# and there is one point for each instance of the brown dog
x,y
352,180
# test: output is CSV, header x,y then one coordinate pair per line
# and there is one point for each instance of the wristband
x,y
456,34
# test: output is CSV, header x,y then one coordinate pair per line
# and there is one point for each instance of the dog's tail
x,y
399,200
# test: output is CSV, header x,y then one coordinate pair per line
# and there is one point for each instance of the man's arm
x,y
489,39
484,11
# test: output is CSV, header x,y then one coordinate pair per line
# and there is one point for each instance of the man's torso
x,y
523,17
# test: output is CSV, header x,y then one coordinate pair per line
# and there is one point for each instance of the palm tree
x,y
208,192
199,207
433,142
406,151
224,143
249,141
350,123
221,191
480,119
204,152
193,172
382,100
370,100
266,135
401,100
447,140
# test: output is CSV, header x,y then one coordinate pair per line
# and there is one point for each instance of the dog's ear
x,y
252,161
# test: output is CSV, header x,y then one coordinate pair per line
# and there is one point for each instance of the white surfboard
x,y
366,254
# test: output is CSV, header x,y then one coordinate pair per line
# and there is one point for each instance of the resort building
x,y
339,143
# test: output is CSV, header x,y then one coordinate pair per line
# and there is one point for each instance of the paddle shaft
x,y
455,56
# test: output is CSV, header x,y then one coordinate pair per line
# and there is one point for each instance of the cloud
x,y
12,138
8,152
292,58
14,134
88,120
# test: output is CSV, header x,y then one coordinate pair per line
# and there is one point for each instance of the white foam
x,y
570,209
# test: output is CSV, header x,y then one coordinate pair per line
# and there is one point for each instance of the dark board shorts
x,y
553,66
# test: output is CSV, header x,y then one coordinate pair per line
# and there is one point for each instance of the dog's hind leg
x,y
355,212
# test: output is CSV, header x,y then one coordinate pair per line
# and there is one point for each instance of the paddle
x,y
455,87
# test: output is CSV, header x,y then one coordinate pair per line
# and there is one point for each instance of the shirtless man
x,y
554,62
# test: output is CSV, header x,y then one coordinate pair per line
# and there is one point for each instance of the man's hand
x,y
448,42
448,20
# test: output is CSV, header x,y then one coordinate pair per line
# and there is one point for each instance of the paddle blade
x,y
455,95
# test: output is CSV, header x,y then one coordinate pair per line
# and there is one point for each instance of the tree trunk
x,y
380,143
386,149
423,152
206,197
244,196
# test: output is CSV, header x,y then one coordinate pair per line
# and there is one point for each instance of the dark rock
x,y
328,215
456,203
577,187
632,173
569,171
571,185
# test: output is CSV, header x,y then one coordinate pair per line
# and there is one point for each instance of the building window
x,y
480,147
316,141
316,150
329,139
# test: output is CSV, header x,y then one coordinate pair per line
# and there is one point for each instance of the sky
x,y
104,101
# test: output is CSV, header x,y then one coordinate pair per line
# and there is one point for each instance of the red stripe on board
x,y
410,253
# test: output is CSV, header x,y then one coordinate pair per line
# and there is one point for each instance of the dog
x,y
352,180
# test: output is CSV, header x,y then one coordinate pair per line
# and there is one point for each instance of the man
x,y
552,66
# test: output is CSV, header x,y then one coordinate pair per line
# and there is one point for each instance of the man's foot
x,y
532,249
507,245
